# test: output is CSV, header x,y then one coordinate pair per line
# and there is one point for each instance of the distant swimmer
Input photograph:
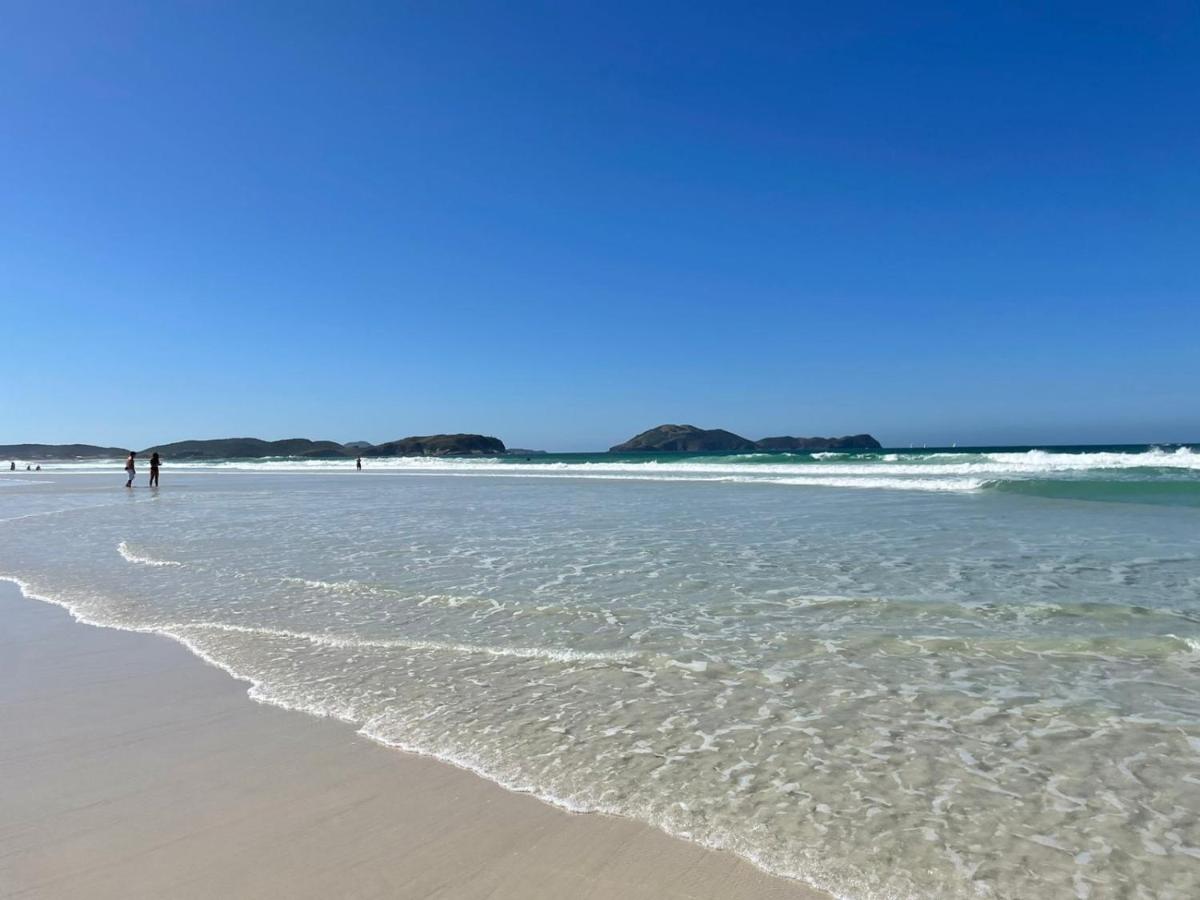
x,y
358,464
154,469
130,469
28,468
12,467
37,468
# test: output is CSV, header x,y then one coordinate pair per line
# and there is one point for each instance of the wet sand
x,y
130,768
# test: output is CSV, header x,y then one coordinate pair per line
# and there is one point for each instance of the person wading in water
x,y
154,470
130,469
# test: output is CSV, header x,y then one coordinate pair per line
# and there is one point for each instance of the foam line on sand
x,y
128,767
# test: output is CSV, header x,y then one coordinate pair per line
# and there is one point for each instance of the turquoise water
x,y
1139,473
956,673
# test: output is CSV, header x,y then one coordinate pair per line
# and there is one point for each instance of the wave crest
x,y
130,555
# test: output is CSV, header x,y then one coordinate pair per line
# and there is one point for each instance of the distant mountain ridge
x,y
254,448
440,445
690,439
248,448
59,451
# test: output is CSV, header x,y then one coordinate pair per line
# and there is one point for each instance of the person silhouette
x,y
154,469
358,464
130,469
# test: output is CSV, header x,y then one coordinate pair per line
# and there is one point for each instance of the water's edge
x,y
258,693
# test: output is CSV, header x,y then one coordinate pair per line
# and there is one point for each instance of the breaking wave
x,y
1141,475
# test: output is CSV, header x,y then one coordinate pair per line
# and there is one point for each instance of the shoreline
x,y
130,766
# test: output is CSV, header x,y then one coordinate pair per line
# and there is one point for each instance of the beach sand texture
x,y
129,768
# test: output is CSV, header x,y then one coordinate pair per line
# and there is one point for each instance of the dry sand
x,y
129,768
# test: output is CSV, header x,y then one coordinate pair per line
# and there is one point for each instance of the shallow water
x,y
882,690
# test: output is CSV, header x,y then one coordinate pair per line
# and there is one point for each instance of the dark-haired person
x,y
130,469
154,469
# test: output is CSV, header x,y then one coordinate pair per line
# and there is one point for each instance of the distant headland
x,y
690,439
59,451
255,448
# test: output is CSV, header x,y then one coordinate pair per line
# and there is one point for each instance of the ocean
x,y
894,674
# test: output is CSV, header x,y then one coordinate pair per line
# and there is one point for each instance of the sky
x,y
562,223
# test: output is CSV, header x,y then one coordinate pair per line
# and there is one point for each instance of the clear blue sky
x,y
564,222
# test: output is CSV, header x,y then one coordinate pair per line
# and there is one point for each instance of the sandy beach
x,y
130,768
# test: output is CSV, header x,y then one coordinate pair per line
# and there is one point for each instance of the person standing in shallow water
x,y
154,470
358,464
130,469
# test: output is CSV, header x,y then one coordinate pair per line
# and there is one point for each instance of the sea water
x,y
953,674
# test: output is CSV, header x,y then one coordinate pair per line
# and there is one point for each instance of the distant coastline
x,y
661,439
256,448
652,442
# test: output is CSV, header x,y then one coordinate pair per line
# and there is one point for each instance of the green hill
x,y
248,448
440,445
60,451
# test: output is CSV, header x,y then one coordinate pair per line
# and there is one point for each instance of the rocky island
x,y
440,445
686,439
804,444
690,439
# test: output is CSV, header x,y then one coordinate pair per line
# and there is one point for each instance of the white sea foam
x,y
341,587
828,463
734,475
939,485
555,654
142,559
